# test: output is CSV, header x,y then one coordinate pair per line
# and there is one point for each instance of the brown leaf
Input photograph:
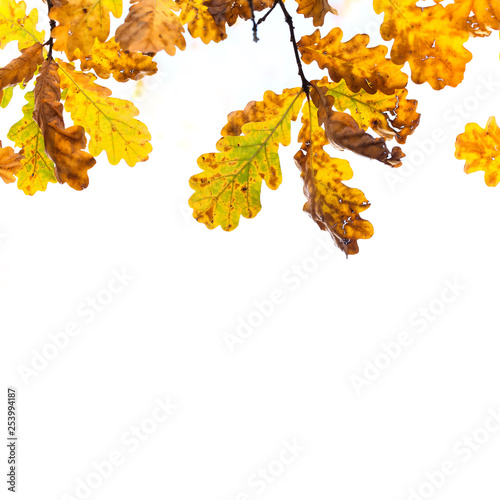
x,y
317,9
343,132
22,68
10,163
63,145
228,11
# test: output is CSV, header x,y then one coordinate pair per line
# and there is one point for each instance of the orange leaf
x,y
10,163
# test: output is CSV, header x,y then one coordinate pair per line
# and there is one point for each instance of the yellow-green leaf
x,y
109,121
37,168
231,181
16,25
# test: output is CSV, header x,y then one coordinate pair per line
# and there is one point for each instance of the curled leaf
x,y
360,66
63,145
480,148
10,163
343,132
317,9
334,206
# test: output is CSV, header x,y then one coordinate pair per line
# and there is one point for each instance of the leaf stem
x,y
288,19
52,23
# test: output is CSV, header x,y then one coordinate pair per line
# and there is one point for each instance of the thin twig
x,y
288,18
254,29
52,23
262,19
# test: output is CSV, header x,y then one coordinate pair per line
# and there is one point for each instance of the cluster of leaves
x,y
359,106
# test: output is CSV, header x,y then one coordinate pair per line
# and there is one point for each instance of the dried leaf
x,y
16,25
317,9
387,115
21,69
361,67
334,206
80,22
37,168
109,58
151,26
199,21
231,181
109,121
343,132
480,148
228,11
428,38
10,163
63,145
478,17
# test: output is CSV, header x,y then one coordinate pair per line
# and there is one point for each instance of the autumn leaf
x,y
387,115
37,168
21,69
343,132
81,22
428,38
334,206
231,181
361,67
16,25
200,22
6,97
480,148
63,145
317,9
109,121
151,26
10,163
228,11
478,17
109,58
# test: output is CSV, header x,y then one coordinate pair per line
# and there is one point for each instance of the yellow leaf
x,y
109,121
80,22
21,69
387,115
16,25
37,168
361,67
109,58
63,145
334,206
151,26
428,38
317,9
231,181
10,164
480,148
478,17
199,21
6,97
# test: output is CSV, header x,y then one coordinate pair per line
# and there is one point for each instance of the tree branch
x,y
254,29
288,19
52,23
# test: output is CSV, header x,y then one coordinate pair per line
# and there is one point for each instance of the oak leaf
x,y
334,206
317,9
480,148
151,26
387,115
16,25
63,145
360,66
22,68
478,17
200,22
428,38
80,22
231,181
109,121
37,168
343,132
228,11
109,58
10,163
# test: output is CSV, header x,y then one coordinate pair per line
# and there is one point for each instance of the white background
x,y
292,378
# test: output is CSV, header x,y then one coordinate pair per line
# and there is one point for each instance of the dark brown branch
x,y
288,18
254,29
52,23
262,19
